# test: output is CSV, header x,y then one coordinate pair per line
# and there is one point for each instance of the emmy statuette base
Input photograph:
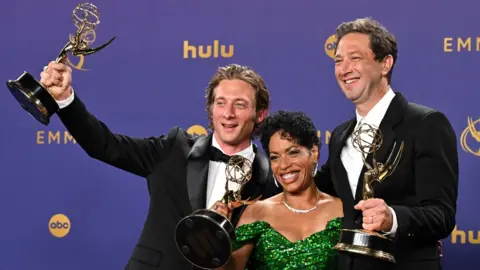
x,y
205,239
366,243
33,98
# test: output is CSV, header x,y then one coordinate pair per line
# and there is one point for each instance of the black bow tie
x,y
217,155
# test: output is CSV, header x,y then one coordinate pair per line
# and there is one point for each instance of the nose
x,y
284,163
229,112
344,67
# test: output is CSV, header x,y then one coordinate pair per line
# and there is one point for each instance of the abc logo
x,y
59,225
330,45
197,130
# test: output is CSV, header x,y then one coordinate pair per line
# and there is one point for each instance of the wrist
x,y
391,220
65,95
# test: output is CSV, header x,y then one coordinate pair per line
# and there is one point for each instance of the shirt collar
x,y
246,153
376,114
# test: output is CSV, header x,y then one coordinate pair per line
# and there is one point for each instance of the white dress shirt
x,y
216,175
216,170
64,103
352,158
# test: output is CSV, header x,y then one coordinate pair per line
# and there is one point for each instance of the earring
x,y
314,172
275,180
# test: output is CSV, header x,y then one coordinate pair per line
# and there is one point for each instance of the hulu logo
x,y
473,236
207,51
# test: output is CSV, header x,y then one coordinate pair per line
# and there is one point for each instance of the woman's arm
x,y
239,258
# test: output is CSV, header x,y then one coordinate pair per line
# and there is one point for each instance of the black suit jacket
x,y
422,190
175,166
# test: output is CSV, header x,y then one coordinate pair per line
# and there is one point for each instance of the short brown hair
x,y
246,74
382,42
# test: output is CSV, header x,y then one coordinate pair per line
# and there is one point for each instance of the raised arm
x,y
135,155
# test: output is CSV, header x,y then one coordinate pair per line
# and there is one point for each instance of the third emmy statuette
x,y
31,95
361,241
205,237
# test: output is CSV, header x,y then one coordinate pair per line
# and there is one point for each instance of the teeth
x,y
289,175
350,81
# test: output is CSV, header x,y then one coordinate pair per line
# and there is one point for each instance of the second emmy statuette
x,y
361,241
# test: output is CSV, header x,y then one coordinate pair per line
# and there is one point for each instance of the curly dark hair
x,y
295,125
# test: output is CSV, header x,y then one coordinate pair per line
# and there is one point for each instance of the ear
x,y
315,154
387,64
261,116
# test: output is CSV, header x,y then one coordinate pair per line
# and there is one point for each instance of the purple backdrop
x,y
142,84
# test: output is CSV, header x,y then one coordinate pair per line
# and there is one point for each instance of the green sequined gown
x,y
274,252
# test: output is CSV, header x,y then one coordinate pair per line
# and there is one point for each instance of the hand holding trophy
x,y
205,237
31,95
361,241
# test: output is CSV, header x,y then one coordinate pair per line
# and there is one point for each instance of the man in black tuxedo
x,y
184,172
416,204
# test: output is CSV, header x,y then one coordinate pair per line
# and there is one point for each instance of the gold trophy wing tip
x,y
236,204
93,50
390,168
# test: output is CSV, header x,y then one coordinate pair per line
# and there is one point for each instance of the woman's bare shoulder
x,y
335,205
258,210
261,206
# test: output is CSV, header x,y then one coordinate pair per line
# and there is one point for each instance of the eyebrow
x,y
289,148
242,99
350,53
286,150
235,100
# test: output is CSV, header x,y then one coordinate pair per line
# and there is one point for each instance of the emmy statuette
x,y
360,241
31,95
205,237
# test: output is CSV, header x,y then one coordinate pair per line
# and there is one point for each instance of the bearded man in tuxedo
x,y
183,172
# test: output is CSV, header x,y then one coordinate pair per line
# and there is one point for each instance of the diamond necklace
x,y
298,211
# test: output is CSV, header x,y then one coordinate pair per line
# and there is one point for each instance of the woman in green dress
x,y
298,228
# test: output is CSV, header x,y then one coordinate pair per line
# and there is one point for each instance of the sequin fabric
x,y
274,252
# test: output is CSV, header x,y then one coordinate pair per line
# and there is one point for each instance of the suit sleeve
x,y
435,168
134,155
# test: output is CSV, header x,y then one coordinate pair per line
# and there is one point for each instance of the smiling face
x,y
233,113
358,73
292,164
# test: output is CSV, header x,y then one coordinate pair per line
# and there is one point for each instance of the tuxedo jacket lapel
x,y
197,172
260,167
342,139
392,118
337,164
